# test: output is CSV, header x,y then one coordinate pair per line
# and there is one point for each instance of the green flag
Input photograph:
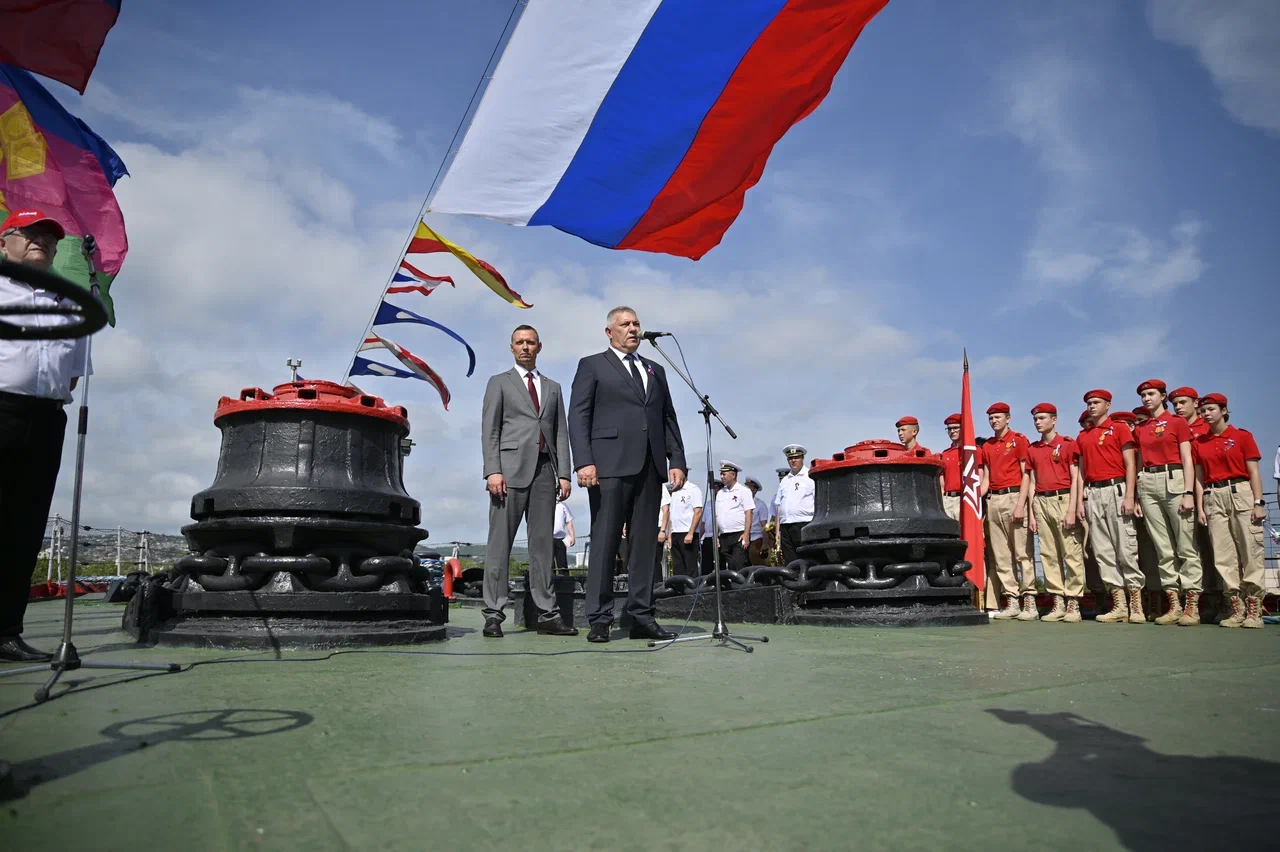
x,y
69,262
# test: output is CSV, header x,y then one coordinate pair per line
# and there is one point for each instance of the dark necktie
x,y
635,373
533,395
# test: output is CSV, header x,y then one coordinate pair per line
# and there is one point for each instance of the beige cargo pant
x,y
1114,539
1010,545
951,505
1171,532
1238,547
1060,547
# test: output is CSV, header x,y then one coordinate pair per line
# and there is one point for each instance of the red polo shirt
x,y
1101,447
1051,462
920,446
1158,439
1223,456
951,470
1200,427
1005,459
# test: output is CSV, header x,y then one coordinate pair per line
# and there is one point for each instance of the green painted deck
x,y
1007,736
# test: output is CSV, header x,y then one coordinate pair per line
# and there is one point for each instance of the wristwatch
x,y
1188,493
1262,502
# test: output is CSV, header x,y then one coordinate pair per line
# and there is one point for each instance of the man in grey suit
x,y
625,435
526,461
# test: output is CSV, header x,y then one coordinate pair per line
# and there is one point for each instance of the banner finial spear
x,y
966,359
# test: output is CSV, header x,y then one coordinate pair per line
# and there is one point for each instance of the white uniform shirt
x,y
794,501
41,368
563,517
683,504
731,508
1277,462
666,501
758,520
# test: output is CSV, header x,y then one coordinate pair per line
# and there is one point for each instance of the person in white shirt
x,y
735,507
564,536
36,380
664,531
684,528
759,517
793,504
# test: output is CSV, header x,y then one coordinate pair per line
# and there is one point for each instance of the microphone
x,y
653,335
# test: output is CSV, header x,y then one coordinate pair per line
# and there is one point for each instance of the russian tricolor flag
x,y
641,124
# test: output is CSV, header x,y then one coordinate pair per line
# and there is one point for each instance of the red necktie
x,y
533,395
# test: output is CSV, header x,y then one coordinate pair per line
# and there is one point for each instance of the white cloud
x,y
1238,42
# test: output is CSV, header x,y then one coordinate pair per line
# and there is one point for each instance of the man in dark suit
x,y
623,430
526,467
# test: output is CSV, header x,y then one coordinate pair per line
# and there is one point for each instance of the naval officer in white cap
x,y
793,504
735,506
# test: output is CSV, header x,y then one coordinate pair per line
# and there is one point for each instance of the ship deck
x,y
1063,736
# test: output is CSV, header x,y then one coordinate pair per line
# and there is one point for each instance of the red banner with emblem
x,y
970,482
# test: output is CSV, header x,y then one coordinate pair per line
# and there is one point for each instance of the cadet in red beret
x,y
908,429
1007,487
1166,494
1055,479
1186,402
1232,506
1108,464
1140,415
949,480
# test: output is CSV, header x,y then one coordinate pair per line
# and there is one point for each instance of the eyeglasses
x,y
37,235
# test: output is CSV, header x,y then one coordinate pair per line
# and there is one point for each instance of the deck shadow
x,y
125,737
1152,801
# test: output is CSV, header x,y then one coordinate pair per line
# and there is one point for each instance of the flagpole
x,y
422,211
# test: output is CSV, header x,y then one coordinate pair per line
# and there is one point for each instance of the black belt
x,y
22,401
1223,483
1105,482
1157,468
952,493
1057,493
794,523
1008,490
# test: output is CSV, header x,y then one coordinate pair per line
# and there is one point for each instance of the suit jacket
x,y
509,429
614,426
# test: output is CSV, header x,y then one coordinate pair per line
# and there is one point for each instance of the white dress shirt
x,y
665,501
640,365
758,520
537,381
1277,462
732,505
42,368
794,501
683,504
563,517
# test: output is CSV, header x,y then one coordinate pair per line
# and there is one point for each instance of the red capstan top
x,y
951,470
313,395
875,452
1224,456
1101,450
1160,437
1005,459
1051,462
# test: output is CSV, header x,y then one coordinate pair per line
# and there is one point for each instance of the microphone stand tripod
x,y
66,659
720,633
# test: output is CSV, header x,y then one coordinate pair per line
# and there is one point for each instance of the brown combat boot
x,y
1010,608
1029,611
1059,611
1119,609
1175,608
1191,612
1136,615
1073,611
1236,618
1253,611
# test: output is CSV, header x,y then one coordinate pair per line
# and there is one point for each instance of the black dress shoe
x,y
14,650
556,627
598,633
652,631
492,628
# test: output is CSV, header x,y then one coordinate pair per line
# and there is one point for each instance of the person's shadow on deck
x,y
1152,801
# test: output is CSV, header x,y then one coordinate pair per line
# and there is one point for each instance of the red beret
x,y
953,420
907,421
1189,393
1045,408
998,408
1216,398
1124,416
1098,393
1141,411
1084,417
1153,383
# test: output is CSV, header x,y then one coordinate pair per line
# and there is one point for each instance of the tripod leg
x,y
42,694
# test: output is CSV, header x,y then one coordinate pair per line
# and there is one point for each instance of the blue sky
x,y
1082,197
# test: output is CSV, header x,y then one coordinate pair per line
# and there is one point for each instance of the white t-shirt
x,y
42,368
563,517
732,505
683,504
